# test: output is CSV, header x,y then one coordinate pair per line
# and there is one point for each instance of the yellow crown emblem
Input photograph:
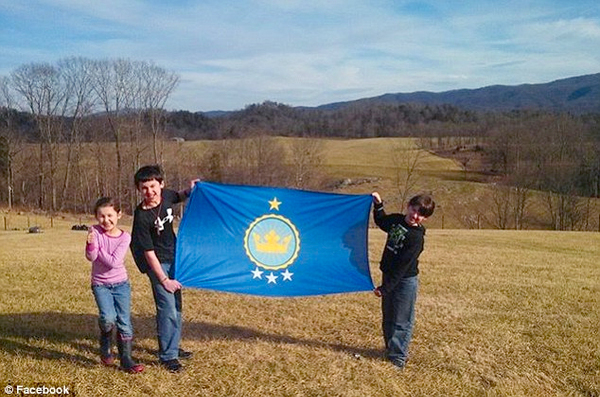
x,y
271,242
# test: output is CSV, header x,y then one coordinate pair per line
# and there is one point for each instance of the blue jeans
x,y
168,316
398,313
114,306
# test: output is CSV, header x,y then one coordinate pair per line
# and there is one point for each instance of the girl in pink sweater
x,y
106,248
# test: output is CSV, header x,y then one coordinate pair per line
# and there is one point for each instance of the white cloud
x,y
311,52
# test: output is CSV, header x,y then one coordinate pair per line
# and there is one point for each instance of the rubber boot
x,y
127,363
106,356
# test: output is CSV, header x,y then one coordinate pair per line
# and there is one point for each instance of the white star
x,y
272,278
287,275
257,273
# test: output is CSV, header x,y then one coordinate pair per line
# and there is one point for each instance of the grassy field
x,y
500,313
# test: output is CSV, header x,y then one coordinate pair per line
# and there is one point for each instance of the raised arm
x,y
379,216
91,245
185,193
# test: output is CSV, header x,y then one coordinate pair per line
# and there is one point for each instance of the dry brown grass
x,y
500,313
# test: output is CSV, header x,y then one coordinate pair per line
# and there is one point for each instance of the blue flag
x,y
273,242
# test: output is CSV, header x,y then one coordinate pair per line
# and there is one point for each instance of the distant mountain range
x,y
578,95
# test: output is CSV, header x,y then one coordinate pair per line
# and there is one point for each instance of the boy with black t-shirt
x,y
153,248
400,267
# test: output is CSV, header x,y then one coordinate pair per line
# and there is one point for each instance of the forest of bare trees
x,y
76,106
558,155
78,129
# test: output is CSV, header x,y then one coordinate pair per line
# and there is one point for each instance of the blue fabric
x,y
114,307
273,241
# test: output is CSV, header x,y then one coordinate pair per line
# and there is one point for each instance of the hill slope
x,y
576,94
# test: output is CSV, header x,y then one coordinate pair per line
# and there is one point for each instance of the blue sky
x,y
306,52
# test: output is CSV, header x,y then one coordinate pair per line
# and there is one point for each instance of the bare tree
x,y
509,204
41,86
501,199
79,104
406,161
112,83
306,157
157,86
263,159
519,205
566,210
11,141
259,160
559,170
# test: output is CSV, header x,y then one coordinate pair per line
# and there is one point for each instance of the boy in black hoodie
x,y
400,268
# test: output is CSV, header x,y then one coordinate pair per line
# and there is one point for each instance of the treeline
x,y
556,154
270,118
77,129
521,151
366,120
76,101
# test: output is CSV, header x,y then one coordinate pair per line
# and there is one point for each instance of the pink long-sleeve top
x,y
107,255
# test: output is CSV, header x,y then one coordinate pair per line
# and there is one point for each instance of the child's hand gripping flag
x,y
274,242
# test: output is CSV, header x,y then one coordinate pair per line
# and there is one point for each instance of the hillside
x,y
577,95
464,112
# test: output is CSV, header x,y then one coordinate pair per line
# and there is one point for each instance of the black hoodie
x,y
403,246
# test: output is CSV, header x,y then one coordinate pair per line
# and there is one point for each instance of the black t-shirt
x,y
153,230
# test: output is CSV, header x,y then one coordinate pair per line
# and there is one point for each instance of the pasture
x,y
500,313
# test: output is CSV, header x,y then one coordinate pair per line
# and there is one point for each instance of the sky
x,y
229,54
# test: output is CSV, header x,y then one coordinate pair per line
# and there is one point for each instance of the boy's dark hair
x,y
148,173
424,203
106,202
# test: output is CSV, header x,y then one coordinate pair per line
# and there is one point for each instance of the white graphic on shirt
x,y
396,237
160,223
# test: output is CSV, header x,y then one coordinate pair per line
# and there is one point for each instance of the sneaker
x,y
172,365
399,364
184,354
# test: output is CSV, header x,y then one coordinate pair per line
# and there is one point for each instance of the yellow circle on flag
x,y
272,242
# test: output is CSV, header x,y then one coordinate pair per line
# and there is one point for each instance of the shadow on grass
x,y
39,335
208,331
